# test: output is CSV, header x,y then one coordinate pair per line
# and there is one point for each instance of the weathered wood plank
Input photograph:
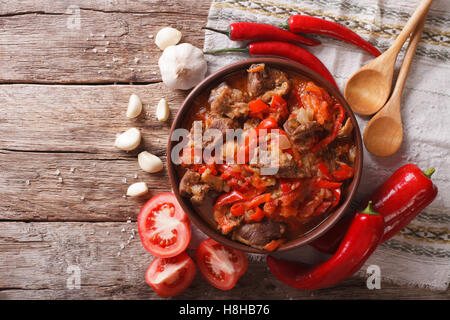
x,y
40,42
34,258
49,128
82,119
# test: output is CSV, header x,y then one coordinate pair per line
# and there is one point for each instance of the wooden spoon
x,y
368,88
384,132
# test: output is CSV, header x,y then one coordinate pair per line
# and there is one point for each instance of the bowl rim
x,y
215,78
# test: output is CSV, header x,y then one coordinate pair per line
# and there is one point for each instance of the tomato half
x,y
170,276
220,265
163,226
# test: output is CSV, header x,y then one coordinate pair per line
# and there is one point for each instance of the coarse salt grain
x,y
122,246
135,176
94,50
124,196
57,172
106,50
136,60
60,180
27,182
72,170
82,198
124,180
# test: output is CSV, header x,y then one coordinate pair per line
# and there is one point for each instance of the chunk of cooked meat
x,y
264,82
259,234
225,100
302,135
213,181
191,186
221,124
346,130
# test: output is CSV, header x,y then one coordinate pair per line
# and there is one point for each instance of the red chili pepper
x,y
399,200
337,125
346,172
308,24
284,50
360,241
228,198
327,184
243,31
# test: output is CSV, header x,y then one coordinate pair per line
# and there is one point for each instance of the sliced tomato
x,y
163,226
220,265
170,276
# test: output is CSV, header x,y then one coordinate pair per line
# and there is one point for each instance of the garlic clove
x,y
137,189
129,140
162,110
134,106
149,162
167,37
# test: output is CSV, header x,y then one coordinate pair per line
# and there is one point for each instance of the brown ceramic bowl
x,y
212,81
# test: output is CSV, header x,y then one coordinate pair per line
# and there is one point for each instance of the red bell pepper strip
x,y
337,196
346,172
265,197
325,172
268,123
361,239
399,200
337,125
325,184
237,209
258,215
243,31
258,106
283,50
229,198
272,245
308,24
279,106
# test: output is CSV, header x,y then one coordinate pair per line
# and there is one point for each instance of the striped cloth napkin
x,y
420,254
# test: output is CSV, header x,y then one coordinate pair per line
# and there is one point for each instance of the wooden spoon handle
x,y
409,55
420,12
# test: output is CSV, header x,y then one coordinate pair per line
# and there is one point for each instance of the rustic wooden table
x,y
65,84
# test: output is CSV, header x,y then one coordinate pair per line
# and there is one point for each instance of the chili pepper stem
x,y
285,25
225,32
429,172
242,50
368,210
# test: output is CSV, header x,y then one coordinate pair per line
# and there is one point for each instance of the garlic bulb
x,y
167,37
182,66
